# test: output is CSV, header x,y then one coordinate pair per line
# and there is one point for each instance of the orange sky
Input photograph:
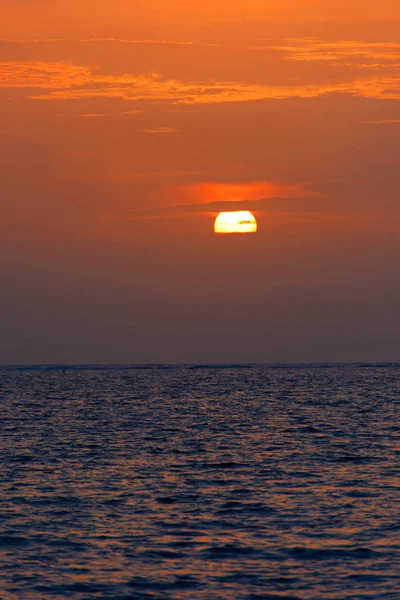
x,y
126,128
52,16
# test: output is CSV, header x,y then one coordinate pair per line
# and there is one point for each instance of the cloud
x,y
132,112
213,197
92,115
139,41
313,50
159,130
161,174
43,75
5,40
66,81
310,206
106,40
382,122
215,191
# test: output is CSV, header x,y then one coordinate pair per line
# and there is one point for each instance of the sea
x,y
200,482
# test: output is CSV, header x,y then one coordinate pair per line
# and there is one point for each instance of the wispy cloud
x,y
136,41
43,75
4,40
132,112
103,40
161,174
93,115
159,130
312,50
382,122
216,191
65,81
310,206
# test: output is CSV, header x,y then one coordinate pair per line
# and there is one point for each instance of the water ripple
x,y
199,482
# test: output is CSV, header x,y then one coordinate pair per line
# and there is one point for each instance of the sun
x,y
238,221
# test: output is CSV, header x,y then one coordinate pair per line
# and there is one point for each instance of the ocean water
x,y
236,482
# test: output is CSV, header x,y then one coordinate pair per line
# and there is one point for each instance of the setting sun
x,y
239,221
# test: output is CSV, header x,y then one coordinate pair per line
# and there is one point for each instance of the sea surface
x,y
175,482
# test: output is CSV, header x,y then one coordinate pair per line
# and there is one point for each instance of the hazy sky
x,y
127,126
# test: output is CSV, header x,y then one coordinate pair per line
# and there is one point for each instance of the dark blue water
x,y
200,482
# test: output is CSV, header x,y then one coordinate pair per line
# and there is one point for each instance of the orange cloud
x,y
211,191
210,198
160,130
138,41
50,76
105,40
306,50
93,115
66,81
383,122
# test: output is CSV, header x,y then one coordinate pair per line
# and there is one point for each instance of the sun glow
x,y
239,221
